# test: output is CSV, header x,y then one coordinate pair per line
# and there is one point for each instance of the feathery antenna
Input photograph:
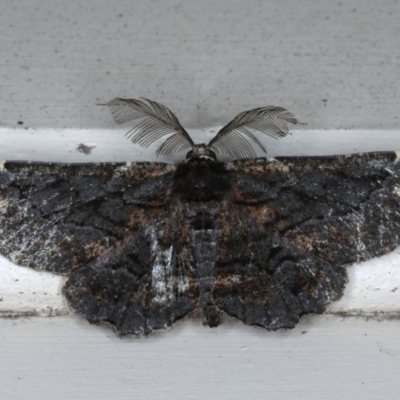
x,y
157,121
269,120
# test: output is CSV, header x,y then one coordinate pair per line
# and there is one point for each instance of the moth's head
x,y
201,151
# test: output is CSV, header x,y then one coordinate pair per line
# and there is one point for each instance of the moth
x,y
262,240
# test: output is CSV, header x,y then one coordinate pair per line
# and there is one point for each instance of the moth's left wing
x,y
291,226
57,216
112,228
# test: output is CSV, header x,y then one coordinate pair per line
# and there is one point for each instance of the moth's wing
x,y
56,216
293,224
145,283
104,225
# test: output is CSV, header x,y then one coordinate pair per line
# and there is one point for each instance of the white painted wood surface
x,y
335,65
325,358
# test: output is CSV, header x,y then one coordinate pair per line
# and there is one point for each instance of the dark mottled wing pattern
x,y
293,224
111,229
143,245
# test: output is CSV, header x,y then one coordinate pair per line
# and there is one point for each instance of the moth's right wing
x,y
293,224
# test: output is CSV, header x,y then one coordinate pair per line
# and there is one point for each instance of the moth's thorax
x,y
201,151
202,179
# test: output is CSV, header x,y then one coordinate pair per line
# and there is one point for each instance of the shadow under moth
x,y
145,244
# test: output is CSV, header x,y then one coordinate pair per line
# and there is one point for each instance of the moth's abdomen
x,y
203,226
